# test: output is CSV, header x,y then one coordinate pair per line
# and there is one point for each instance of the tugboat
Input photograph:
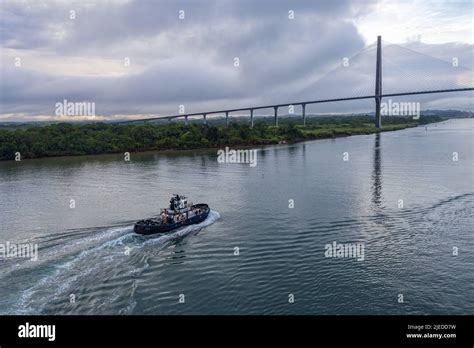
x,y
180,213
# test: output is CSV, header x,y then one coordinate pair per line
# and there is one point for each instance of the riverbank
x,y
105,138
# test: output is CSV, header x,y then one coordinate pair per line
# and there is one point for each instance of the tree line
x,y
69,139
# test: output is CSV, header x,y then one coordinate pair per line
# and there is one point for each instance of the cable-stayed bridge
x,y
381,70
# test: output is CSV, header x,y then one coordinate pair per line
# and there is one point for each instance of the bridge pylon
x,y
378,83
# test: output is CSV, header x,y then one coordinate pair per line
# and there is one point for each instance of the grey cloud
x,y
189,62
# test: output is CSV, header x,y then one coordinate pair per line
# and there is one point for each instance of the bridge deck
x,y
251,108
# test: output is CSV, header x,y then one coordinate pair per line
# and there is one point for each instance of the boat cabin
x,y
178,202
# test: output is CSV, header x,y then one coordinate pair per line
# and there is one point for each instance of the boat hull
x,y
151,227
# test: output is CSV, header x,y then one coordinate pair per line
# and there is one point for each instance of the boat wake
x,y
85,265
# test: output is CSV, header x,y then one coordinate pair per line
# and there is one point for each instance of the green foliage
x,y
64,139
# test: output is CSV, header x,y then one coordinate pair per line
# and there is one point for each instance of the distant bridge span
x,y
377,96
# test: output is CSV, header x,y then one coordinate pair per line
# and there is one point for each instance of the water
x,y
90,254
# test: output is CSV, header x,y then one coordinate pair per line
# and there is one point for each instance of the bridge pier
x,y
303,106
227,118
276,115
186,120
378,84
251,118
378,117
204,118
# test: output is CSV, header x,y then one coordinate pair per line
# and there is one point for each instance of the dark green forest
x,y
69,139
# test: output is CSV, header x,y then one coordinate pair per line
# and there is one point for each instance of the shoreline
x,y
178,151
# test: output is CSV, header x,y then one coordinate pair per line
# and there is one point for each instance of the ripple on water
x,y
93,266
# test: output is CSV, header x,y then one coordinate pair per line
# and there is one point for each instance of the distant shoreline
x,y
66,140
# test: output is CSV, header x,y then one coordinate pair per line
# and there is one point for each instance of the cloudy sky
x,y
145,58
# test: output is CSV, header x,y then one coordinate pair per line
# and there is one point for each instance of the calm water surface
x,y
90,251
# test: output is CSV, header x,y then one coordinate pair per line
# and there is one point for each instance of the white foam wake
x,y
109,254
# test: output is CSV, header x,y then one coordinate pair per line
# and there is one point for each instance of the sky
x,y
145,58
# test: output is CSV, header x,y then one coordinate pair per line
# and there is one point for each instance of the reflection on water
x,y
377,173
281,250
